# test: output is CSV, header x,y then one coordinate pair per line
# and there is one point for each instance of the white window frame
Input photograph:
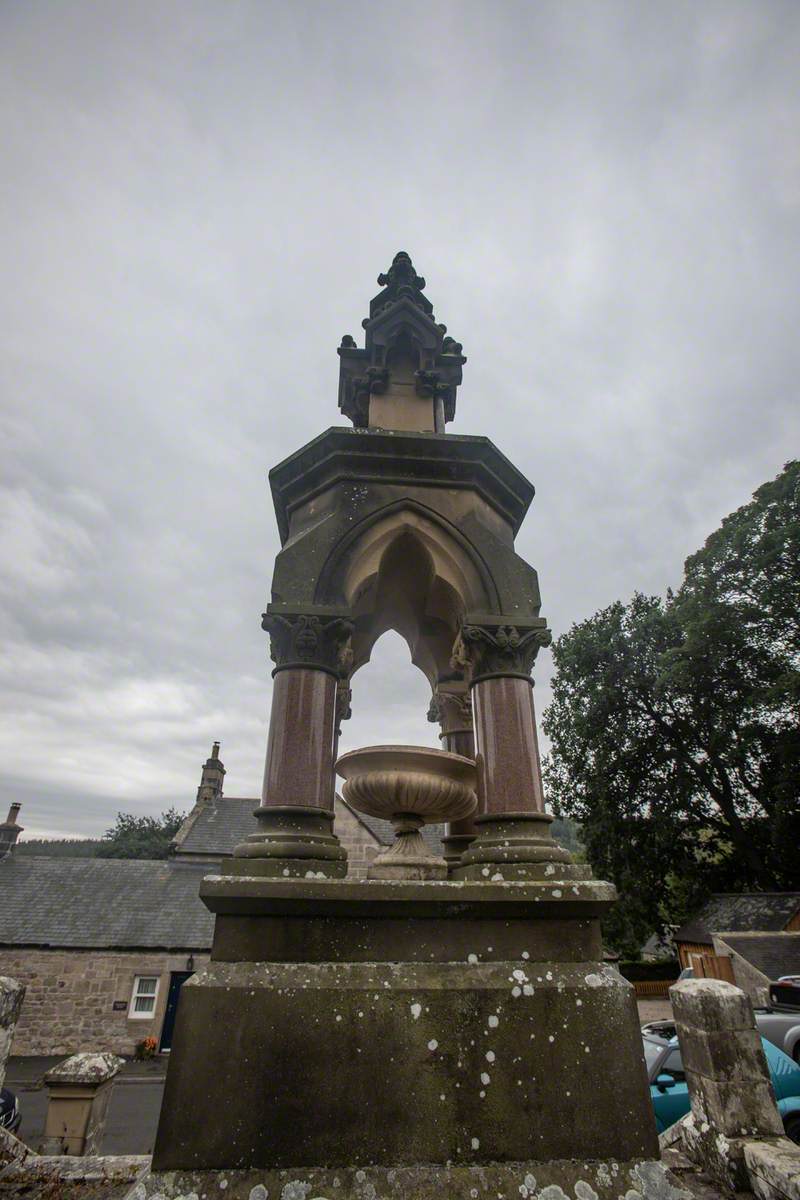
x,y
136,994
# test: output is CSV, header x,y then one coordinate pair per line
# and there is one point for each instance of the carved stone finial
x,y
300,639
348,342
498,648
401,274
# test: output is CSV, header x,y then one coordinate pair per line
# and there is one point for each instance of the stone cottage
x,y
103,946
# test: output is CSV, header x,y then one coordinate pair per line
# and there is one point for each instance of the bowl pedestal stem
x,y
409,856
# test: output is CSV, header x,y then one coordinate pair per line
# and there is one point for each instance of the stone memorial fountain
x,y
434,1029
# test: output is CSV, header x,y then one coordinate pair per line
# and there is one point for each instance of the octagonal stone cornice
x,y
342,454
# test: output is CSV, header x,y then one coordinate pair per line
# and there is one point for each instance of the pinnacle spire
x,y
406,376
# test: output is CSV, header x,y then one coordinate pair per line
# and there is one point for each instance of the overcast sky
x,y
196,199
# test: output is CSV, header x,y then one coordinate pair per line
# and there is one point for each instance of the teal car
x,y
670,1094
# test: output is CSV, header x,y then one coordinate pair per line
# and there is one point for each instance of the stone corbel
x,y
489,646
316,639
344,697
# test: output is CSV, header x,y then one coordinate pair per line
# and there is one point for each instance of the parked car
x,y
779,1024
670,1094
10,1116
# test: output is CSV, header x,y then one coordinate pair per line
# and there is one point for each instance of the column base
x,y
454,845
517,845
292,842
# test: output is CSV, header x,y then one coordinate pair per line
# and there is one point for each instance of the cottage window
x,y
143,1000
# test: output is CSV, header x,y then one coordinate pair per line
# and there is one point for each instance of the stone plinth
x,y
587,1180
384,1025
79,1091
727,1076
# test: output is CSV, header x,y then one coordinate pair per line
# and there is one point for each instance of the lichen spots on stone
x,y
493,1021
433,1044
259,1192
416,1011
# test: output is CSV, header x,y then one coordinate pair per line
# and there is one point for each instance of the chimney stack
x,y
210,788
10,830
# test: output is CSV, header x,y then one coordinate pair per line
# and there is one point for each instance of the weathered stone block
x,y
79,1094
724,1055
588,1180
735,1109
720,1157
774,1169
710,1004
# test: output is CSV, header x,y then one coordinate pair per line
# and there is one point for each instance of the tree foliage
x,y
675,724
140,837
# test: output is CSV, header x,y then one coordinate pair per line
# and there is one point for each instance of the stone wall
x,y
357,840
70,995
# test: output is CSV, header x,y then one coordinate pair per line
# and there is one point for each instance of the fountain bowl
x,y
411,786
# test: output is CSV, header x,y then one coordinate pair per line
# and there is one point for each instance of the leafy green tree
x,y
57,848
140,837
675,724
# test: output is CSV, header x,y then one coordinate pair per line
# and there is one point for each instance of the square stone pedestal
x,y
345,1027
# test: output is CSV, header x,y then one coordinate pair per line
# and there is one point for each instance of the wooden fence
x,y
653,989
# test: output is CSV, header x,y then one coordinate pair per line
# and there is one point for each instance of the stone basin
x,y
410,786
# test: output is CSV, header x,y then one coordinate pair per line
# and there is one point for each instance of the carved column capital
x,y
319,640
487,646
455,709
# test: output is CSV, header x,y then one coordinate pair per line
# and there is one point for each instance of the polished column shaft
x,y
299,765
506,745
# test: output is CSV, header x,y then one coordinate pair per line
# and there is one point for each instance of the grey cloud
x,y
604,199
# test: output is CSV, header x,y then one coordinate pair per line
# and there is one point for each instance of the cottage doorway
x,y
176,982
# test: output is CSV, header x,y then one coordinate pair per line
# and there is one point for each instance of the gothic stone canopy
x,y
395,524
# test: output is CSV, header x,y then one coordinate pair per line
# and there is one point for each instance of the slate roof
x,y
214,828
103,903
756,912
773,954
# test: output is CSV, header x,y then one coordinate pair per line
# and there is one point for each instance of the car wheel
x,y
791,1127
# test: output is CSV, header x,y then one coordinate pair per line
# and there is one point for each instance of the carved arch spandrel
x,y
455,559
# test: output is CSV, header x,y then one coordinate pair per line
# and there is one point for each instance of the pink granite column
x,y
513,830
295,817
452,708
505,734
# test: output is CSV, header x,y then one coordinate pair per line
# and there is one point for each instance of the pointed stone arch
x,y
407,568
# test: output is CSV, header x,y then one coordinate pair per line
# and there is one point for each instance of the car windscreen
x,y
652,1053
